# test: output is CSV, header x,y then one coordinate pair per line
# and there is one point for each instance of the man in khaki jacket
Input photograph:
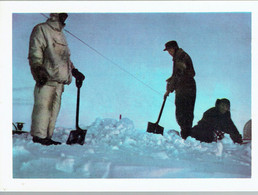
x,y
51,68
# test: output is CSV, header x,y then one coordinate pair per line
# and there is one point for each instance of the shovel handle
x,y
78,83
77,107
161,110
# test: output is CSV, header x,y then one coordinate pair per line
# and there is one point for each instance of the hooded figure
x,y
215,122
183,83
51,68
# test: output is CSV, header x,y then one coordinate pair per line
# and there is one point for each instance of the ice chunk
x,y
65,165
161,155
219,148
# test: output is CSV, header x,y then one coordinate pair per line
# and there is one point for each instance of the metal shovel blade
x,y
76,137
155,128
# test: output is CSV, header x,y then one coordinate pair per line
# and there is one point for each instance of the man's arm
x,y
37,46
36,53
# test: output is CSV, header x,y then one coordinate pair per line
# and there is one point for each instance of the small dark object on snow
x,y
18,128
77,136
155,127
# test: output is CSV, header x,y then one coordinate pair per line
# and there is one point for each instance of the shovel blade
x,y
155,128
76,137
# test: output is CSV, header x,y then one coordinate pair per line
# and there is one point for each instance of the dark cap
x,y
223,100
63,15
170,44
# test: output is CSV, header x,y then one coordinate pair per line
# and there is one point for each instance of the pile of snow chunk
x,y
109,131
115,149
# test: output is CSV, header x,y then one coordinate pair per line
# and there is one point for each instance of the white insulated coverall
x,y
49,50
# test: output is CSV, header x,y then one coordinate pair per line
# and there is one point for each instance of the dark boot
x,y
45,141
42,141
185,132
54,142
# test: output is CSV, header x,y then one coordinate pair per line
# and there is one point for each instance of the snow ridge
x,y
115,149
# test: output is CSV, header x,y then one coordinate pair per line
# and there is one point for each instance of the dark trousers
x,y
203,134
185,101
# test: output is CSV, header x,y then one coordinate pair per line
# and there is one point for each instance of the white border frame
x,y
7,183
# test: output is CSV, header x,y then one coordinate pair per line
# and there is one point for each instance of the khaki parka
x,y
49,50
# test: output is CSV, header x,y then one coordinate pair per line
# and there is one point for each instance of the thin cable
x,y
112,62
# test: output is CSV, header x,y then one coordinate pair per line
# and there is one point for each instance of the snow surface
x,y
115,149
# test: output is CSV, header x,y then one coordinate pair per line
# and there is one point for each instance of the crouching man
x,y
215,122
51,68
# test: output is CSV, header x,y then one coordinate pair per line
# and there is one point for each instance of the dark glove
x,y
237,139
219,135
166,94
40,75
78,75
170,87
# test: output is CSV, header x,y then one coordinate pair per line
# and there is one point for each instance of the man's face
x,y
171,51
223,108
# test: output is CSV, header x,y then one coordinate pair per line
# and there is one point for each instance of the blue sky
x,y
218,43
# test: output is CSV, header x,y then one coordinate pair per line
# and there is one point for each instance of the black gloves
x,y
237,138
170,84
40,75
79,77
77,74
219,135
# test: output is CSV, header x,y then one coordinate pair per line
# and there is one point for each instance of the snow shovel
x,y
77,136
155,127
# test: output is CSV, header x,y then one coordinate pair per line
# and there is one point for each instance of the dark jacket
x,y
183,72
213,121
